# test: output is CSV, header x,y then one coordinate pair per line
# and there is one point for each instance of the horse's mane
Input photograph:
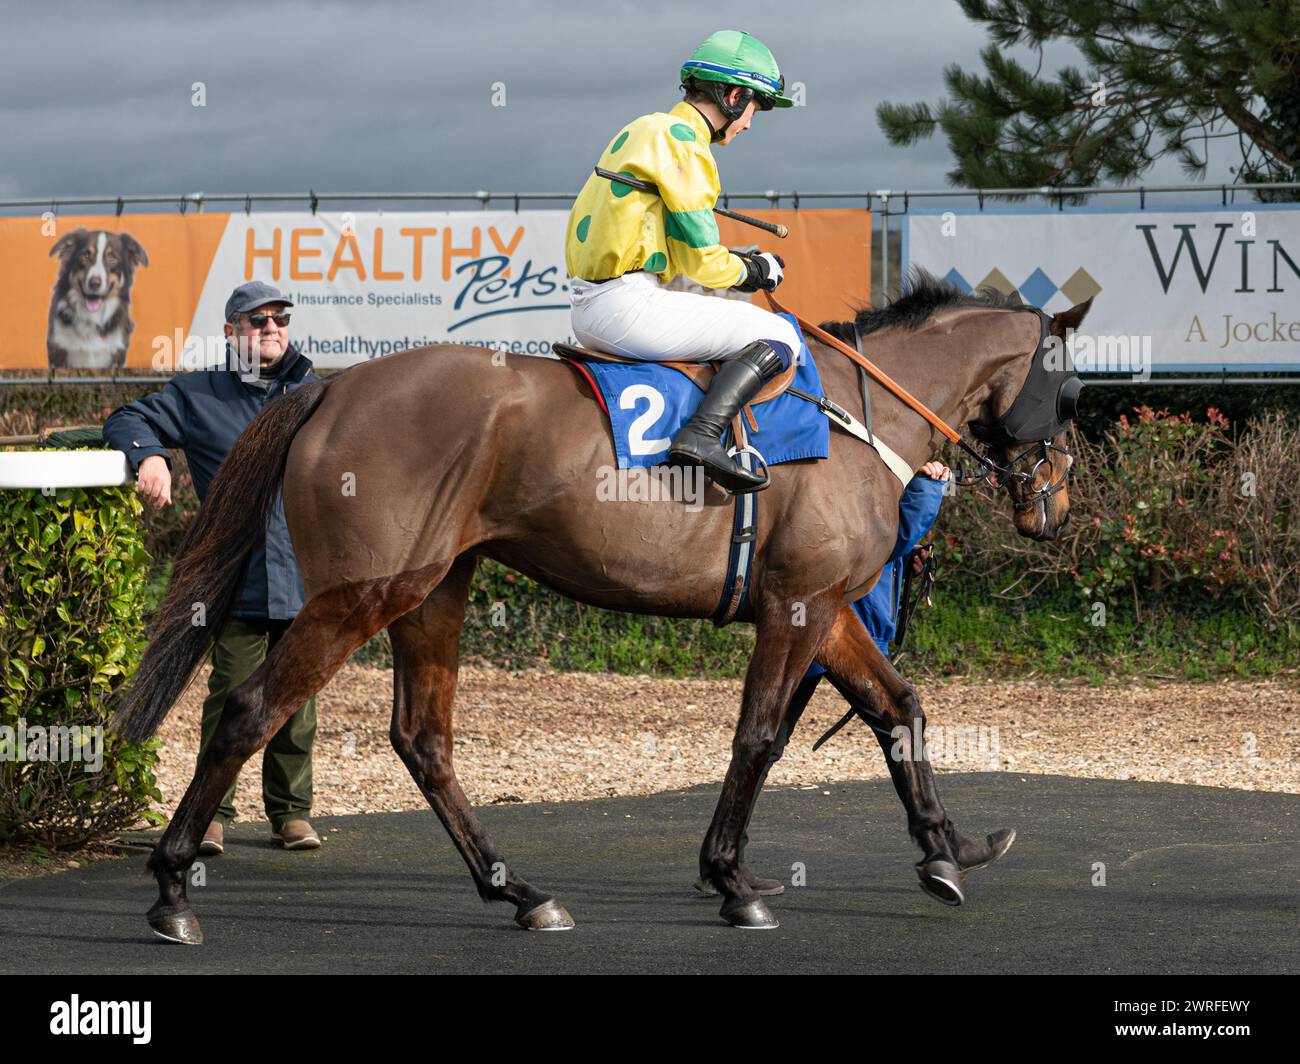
x,y
922,295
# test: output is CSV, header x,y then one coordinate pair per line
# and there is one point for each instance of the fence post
x,y
884,245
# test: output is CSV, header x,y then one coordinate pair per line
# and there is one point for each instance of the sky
x,y
398,96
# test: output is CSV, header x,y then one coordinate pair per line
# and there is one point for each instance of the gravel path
x,y
553,736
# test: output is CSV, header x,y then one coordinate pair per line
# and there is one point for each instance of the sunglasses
x,y
258,321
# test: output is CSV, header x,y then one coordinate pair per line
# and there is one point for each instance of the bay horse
x,y
399,473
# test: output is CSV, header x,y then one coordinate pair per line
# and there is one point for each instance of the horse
x,y
398,474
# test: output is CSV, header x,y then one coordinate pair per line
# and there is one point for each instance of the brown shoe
x,y
214,840
297,835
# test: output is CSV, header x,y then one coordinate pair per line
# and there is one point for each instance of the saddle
x,y
698,373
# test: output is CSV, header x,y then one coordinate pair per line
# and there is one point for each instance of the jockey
x,y
622,243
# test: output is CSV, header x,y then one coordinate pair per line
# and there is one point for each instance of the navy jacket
x,y
878,608
203,413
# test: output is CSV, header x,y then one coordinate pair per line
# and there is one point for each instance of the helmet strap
x,y
717,92
713,133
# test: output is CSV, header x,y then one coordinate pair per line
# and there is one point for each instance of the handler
x,y
878,610
203,414
622,243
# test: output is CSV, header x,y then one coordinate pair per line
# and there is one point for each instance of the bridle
x,y
1045,403
1007,473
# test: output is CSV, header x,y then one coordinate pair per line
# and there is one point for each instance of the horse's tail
x,y
209,566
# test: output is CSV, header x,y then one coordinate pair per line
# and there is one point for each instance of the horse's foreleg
x,y
971,853
325,632
782,653
426,650
863,675
803,693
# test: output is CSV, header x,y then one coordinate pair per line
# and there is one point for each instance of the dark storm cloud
x,y
96,98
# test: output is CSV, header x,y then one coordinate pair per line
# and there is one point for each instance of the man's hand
x,y
919,556
762,270
935,470
154,480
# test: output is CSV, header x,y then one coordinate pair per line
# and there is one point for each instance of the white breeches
x,y
635,317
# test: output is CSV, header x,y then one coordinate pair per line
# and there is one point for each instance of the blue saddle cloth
x,y
648,403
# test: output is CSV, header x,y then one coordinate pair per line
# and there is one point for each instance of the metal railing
x,y
197,201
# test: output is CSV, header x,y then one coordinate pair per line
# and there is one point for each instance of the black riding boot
x,y
699,442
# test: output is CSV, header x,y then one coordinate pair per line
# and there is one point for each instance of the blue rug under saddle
x,y
648,403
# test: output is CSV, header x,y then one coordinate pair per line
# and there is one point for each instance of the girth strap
x,y
744,537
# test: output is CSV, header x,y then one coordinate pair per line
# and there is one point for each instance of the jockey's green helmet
x,y
731,57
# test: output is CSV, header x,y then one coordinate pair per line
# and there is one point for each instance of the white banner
x,y
1177,289
366,284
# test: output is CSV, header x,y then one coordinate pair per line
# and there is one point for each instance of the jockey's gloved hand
x,y
762,270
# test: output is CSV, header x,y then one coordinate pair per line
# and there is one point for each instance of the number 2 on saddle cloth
x,y
647,403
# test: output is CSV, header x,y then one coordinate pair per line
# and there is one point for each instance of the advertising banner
x,y
148,291
1188,289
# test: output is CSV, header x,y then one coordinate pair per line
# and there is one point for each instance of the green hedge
x,y
1168,512
1226,584
968,633
72,577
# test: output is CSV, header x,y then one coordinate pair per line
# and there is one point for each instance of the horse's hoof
x,y
751,915
180,926
549,916
942,880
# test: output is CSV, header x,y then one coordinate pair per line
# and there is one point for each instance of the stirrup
x,y
732,452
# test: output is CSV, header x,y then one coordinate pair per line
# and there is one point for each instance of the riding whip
x,y
775,228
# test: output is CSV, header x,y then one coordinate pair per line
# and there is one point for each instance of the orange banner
x,y
80,292
827,258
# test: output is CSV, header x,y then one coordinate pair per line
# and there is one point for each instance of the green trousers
x,y
241,646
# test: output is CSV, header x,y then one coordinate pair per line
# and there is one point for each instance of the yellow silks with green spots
x,y
614,228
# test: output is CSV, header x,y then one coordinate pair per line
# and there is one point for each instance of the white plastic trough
x,y
63,469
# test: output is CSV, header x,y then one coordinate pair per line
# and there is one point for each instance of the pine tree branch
x,y
1257,131
1176,69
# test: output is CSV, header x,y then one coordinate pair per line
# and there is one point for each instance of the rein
x,y
916,587
892,386
989,468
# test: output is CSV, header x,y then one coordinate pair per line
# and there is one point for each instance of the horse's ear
x,y
1070,319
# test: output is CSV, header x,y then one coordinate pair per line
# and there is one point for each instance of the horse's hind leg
x,y
325,632
862,674
426,651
